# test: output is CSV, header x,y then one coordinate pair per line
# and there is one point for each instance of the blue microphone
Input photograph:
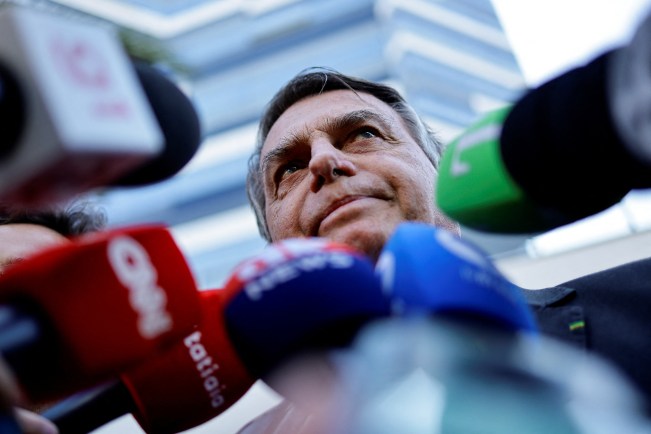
x,y
466,356
300,295
431,270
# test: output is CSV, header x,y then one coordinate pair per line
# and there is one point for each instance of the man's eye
x,y
289,168
365,133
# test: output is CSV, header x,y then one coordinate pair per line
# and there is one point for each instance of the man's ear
x,y
443,221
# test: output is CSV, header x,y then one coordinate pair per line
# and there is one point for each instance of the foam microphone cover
x,y
566,125
179,124
108,301
300,295
193,382
432,270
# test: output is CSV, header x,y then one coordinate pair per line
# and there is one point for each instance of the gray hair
x,y
315,82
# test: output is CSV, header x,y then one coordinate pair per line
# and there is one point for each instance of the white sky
x,y
549,36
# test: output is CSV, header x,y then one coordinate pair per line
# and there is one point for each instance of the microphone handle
x,y
86,411
8,424
18,329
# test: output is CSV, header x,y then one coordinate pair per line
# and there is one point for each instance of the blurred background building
x,y
451,59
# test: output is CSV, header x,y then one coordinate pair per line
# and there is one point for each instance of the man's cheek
x,y
279,222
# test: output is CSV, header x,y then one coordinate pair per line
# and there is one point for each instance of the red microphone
x,y
191,383
79,313
204,374
195,381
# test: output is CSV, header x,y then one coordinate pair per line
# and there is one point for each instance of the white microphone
x,y
85,118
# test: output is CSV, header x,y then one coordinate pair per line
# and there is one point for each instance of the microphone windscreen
x,y
428,269
109,300
179,123
563,132
554,157
192,382
297,296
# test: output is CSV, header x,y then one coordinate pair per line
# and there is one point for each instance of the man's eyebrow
x,y
356,117
276,154
330,125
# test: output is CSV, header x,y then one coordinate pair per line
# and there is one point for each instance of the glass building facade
x,y
450,59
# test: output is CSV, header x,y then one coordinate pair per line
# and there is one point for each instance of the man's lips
x,y
334,206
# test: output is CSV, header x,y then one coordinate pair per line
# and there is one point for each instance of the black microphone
x,y
567,149
179,123
78,114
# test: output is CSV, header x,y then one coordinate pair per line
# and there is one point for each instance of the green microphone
x,y
474,186
555,156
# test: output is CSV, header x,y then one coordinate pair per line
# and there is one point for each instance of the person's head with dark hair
x,y
69,221
343,158
24,232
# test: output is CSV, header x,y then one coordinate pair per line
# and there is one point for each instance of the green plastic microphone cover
x,y
474,187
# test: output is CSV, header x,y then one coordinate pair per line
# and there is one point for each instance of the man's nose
x,y
328,163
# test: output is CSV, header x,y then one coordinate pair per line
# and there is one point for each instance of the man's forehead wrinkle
x,y
332,123
329,125
359,117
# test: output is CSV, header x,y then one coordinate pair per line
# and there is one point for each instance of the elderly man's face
x,y
342,165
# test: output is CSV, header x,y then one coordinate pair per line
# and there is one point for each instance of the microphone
x,y
80,115
297,295
300,296
77,314
429,270
179,124
422,270
191,383
567,149
466,344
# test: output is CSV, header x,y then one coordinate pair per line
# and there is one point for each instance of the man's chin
x,y
365,238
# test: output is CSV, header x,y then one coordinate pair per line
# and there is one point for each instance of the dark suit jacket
x,y
608,313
